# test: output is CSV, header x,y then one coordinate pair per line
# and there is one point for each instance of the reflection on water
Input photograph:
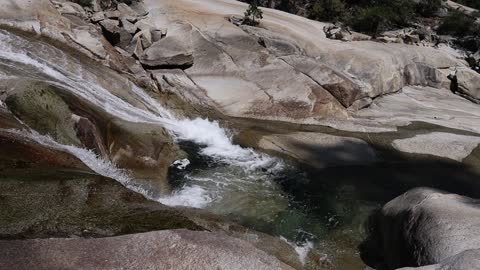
x,y
277,202
325,207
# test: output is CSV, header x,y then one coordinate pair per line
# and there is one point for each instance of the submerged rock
x,y
422,227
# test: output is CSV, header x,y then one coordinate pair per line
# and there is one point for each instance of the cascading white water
x,y
43,61
216,141
240,183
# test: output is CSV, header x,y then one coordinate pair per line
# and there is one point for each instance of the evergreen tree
x,y
252,13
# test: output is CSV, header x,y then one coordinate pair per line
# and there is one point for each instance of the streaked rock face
x,y
287,69
175,249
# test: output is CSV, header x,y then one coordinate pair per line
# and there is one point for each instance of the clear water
x,y
252,188
327,215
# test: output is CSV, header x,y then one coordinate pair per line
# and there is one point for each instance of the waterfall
x,y
215,140
240,183
42,61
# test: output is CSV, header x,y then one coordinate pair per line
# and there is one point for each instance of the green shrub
x,y
252,15
83,3
383,15
428,8
457,24
469,3
287,6
327,10
372,20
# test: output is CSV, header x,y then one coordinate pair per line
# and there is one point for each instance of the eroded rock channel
x,y
165,135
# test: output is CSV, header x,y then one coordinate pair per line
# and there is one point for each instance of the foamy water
x,y
90,159
301,249
58,69
215,141
191,196
241,182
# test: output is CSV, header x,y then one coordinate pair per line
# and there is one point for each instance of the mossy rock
x,y
41,108
147,150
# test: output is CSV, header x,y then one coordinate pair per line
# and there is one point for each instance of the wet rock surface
x,y
52,194
145,149
320,150
361,102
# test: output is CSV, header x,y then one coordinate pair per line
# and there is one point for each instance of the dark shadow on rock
x,y
388,173
354,180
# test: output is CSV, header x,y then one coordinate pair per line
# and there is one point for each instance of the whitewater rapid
x,y
42,61
241,181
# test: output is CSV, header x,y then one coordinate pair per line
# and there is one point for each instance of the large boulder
x,y
115,34
345,89
147,150
38,105
287,69
467,83
89,38
125,10
71,8
168,52
174,249
38,17
422,227
466,260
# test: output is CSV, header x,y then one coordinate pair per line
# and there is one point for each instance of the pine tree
x,y
252,13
